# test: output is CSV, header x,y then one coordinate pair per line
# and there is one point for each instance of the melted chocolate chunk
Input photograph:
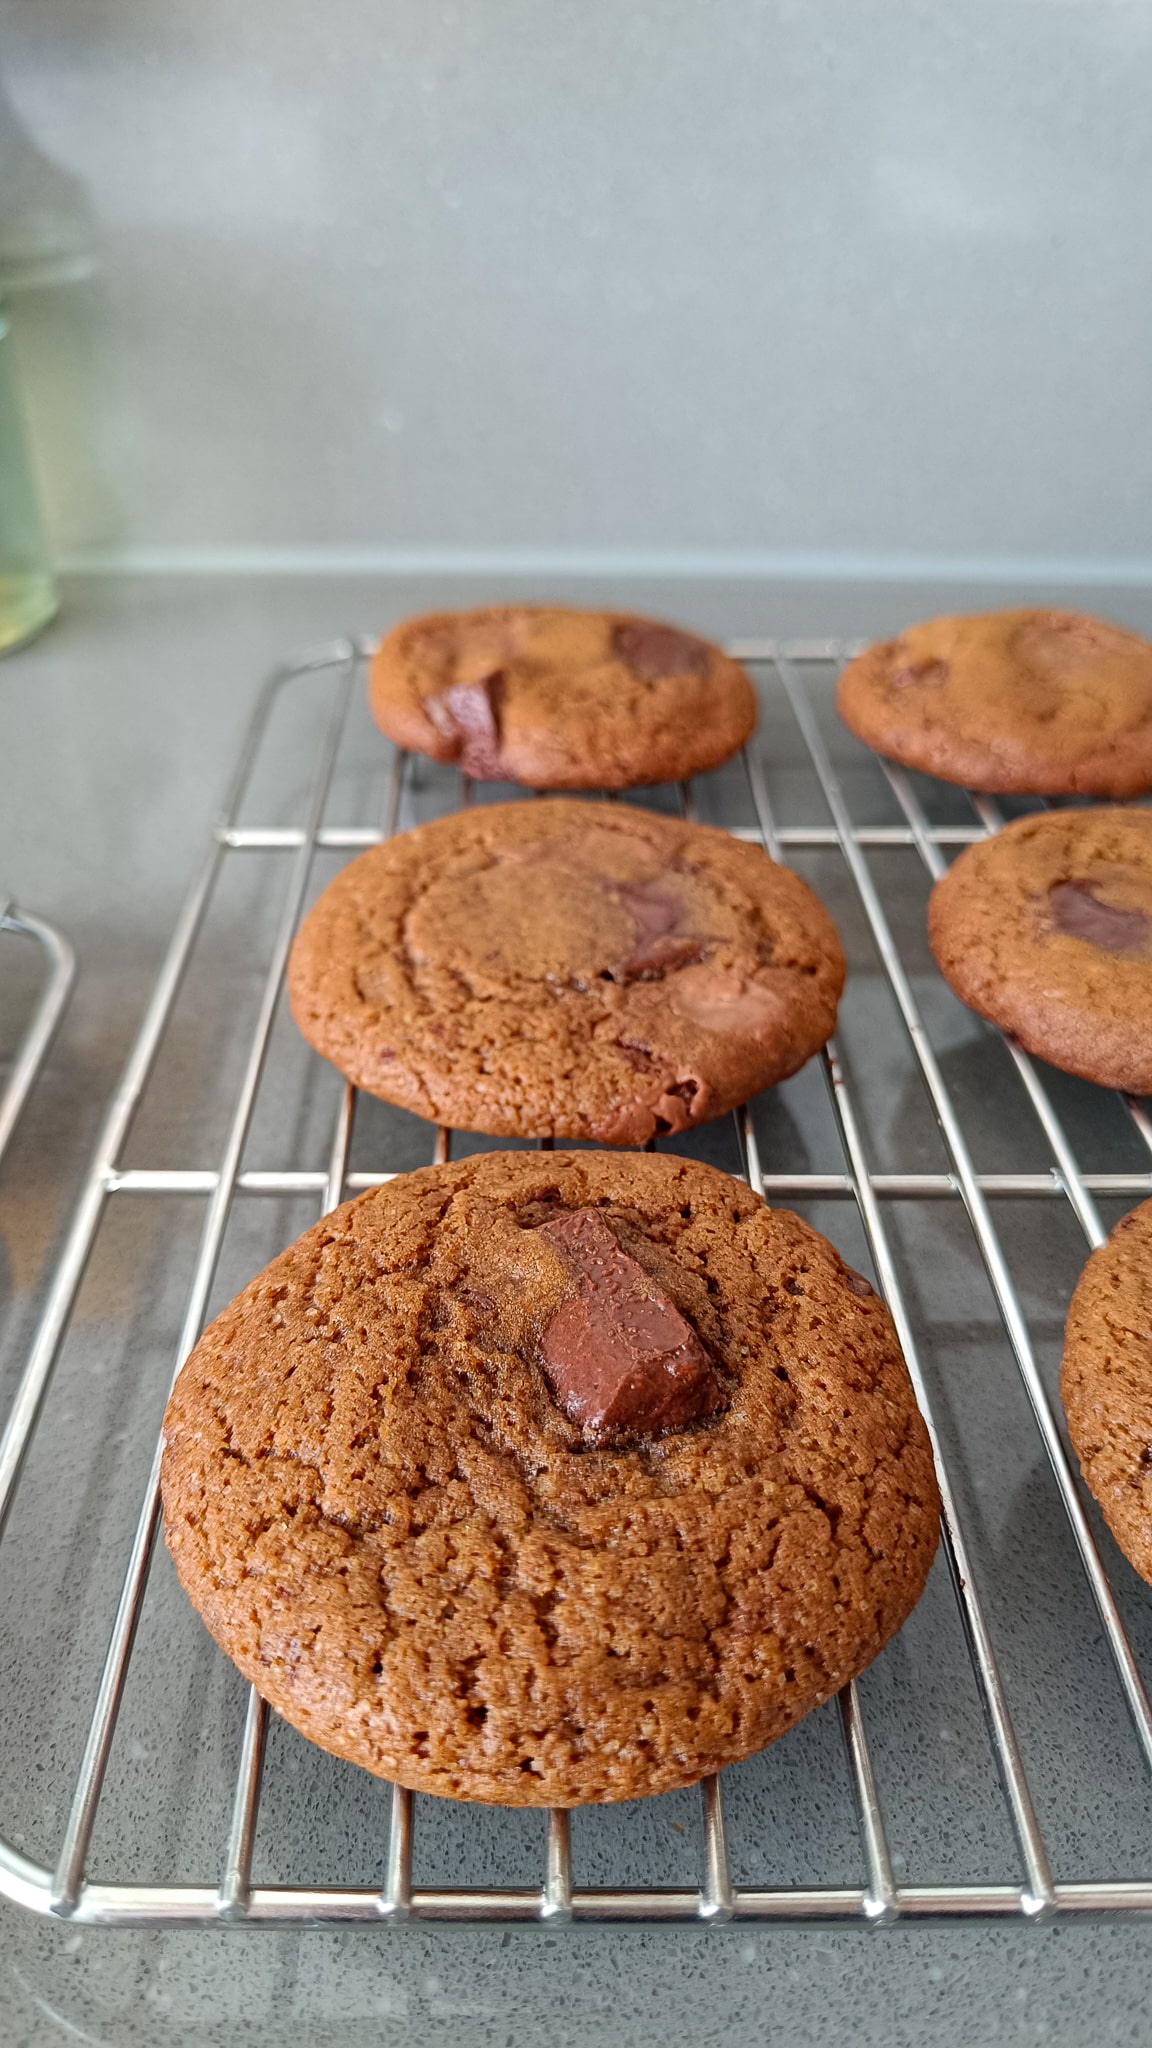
x,y
1078,913
661,944
653,651
664,957
637,1054
654,908
858,1284
719,1001
1063,645
470,713
929,674
620,1358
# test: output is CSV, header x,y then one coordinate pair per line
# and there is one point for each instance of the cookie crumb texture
x,y
1047,931
566,969
1047,702
415,1554
560,699
1106,1382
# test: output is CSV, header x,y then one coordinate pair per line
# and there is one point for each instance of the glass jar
x,y
28,596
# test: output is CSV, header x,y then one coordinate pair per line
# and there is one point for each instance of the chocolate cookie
x,y
1048,702
566,969
544,1479
560,699
1106,1382
1047,930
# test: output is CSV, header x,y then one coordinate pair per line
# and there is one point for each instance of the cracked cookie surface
x,y
1106,1382
557,698
1046,930
566,969
427,1564
1047,702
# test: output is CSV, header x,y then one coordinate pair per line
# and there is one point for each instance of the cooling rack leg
x,y
1140,1118
716,1900
881,1905
398,776
233,1896
337,1172
556,1898
396,1895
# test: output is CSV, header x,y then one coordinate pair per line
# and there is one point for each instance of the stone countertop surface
x,y
120,727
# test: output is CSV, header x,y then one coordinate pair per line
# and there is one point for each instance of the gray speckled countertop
x,y
119,731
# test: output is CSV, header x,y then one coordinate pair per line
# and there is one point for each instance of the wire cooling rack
x,y
40,1029
880,1889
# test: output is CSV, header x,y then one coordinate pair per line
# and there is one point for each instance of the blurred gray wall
x,y
825,285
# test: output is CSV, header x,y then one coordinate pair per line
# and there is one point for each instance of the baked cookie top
x,y
566,969
560,699
1044,701
544,1479
1106,1382
1046,929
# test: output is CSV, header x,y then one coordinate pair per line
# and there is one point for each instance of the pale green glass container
x,y
28,596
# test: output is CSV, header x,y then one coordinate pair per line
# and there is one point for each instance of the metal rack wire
x,y
40,1030
1029,1890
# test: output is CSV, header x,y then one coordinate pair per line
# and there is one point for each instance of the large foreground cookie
x,y
560,699
1042,701
550,1478
1106,1382
566,969
1047,930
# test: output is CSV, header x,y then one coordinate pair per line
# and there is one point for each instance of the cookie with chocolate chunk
x,y
1106,1382
566,969
1046,929
560,699
544,1479
1044,701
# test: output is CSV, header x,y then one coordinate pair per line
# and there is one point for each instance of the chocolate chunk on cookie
x,y
1044,701
565,969
618,1353
1047,930
1080,912
654,652
560,699
1106,1382
467,717
494,1555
